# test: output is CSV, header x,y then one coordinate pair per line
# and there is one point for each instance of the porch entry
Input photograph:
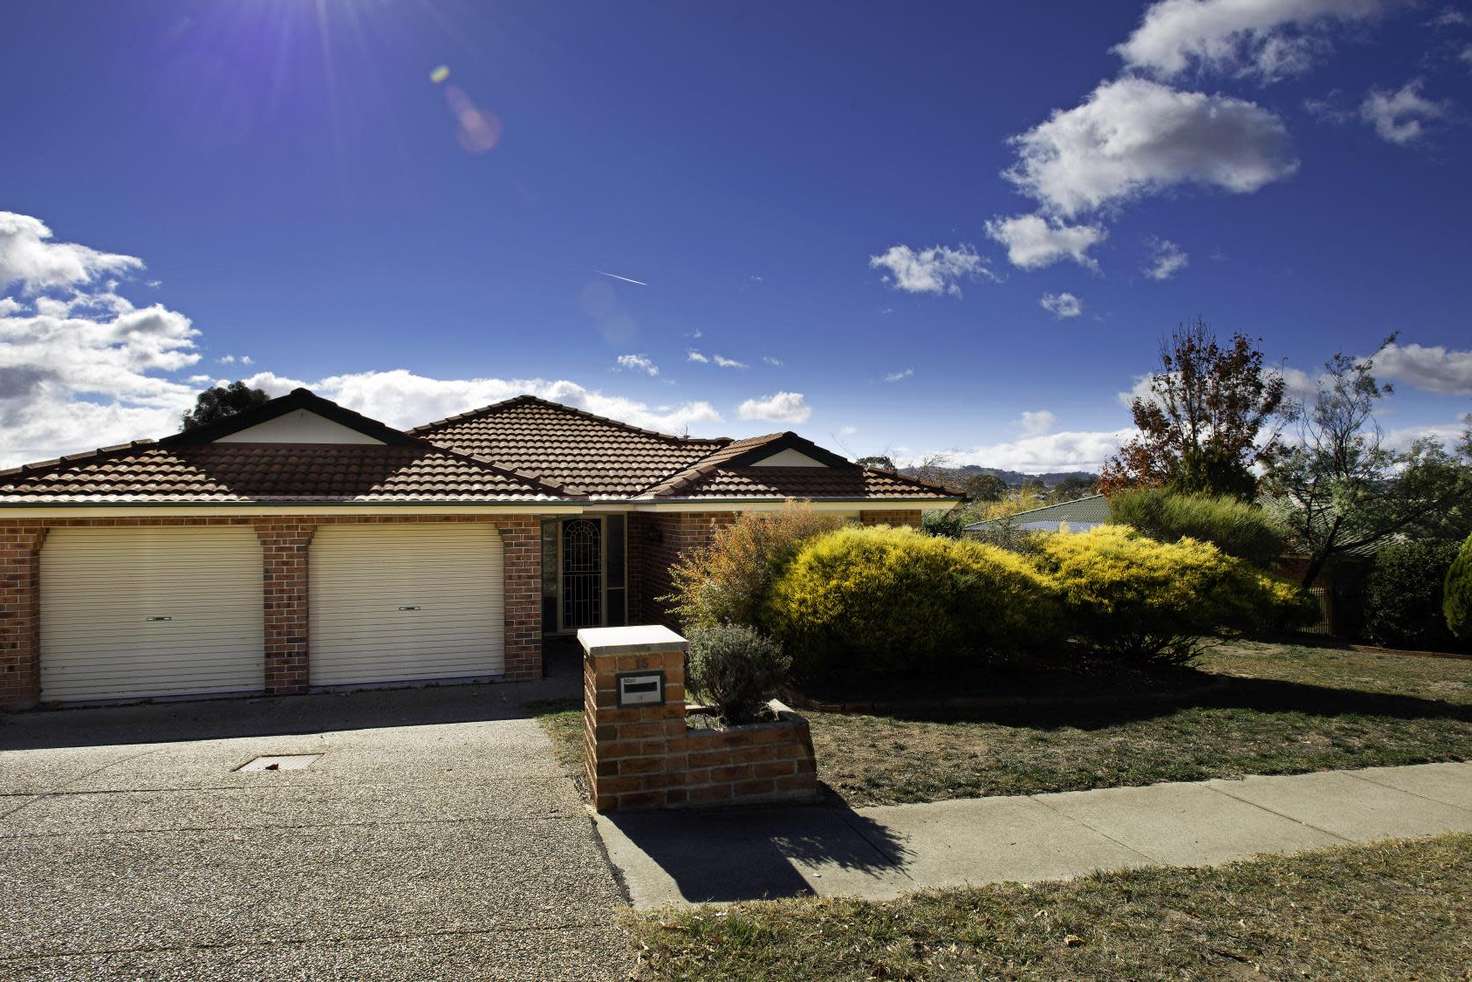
x,y
584,573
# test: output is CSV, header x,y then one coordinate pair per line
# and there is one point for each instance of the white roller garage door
x,y
133,613
394,603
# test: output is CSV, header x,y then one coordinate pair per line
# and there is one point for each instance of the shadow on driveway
x,y
169,722
751,853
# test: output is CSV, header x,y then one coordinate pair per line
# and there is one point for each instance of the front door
x,y
582,573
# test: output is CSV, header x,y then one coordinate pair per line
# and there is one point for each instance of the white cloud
x,y
76,381
847,430
1133,137
401,398
1401,116
1450,17
1269,39
693,355
95,370
226,359
939,269
1062,305
900,376
28,257
1466,54
1033,241
774,362
638,363
10,305
1449,435
1166,259
1432,368
1037,422
724,362
781,407
1080,450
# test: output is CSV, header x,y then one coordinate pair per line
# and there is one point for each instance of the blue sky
x,y
863,206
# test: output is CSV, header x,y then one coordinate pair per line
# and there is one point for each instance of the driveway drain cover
x,y
289,762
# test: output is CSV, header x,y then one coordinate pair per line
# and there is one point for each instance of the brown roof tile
x,y
569,447
240,472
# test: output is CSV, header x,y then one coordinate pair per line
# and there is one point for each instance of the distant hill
x,y
957,475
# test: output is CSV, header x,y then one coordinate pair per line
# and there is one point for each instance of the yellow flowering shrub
x,y
1128,595
870,602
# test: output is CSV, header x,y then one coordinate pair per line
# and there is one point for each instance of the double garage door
x,y
133,613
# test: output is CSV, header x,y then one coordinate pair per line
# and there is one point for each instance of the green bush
x,y
1457,593
1403,595
1129,596
949,523
727,581
866,603
1235,527
736,669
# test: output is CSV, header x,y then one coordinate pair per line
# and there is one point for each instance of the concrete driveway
x,y
435,836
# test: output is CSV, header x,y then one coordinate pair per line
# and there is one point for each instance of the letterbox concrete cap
x,y
627,640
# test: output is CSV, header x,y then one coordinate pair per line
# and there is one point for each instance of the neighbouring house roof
x,y
1093,510
525,449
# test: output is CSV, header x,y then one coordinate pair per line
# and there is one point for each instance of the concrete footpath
x,y
881,852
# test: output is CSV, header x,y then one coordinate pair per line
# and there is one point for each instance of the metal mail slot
x,y
641,689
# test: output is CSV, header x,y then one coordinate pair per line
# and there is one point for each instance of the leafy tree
x,y
1201,425
1404,595
1071,489
1341,489
878,461
984,487
1457,593
221,401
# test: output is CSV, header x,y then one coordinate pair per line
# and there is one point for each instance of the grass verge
x,y
1280,709
562,720
1399,909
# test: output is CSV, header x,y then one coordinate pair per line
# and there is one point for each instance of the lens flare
x,y
478,130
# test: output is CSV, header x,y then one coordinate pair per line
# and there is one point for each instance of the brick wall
x,y
284,568
20,615
285,551
648,757
894,517
656,542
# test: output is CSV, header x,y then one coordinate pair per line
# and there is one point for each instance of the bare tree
x,y
1341,489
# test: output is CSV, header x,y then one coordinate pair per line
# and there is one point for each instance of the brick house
x,y
301,545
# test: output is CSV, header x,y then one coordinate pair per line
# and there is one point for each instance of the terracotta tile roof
x,y
569,447
258,472
801,482
520,450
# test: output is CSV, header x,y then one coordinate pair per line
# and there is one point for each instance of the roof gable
x,y
298,413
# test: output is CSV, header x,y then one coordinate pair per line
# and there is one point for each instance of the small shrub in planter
x,y
1403,595
1129,596
861,604
727,581
1233,526
1457,593
737,670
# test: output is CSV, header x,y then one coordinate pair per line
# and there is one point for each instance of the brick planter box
x,y
758,762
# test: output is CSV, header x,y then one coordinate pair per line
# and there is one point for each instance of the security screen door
x,y
582,573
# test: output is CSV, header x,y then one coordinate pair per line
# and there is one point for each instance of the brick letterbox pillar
x,y
642,754
634,716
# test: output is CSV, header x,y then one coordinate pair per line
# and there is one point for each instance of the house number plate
x,y
641,689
